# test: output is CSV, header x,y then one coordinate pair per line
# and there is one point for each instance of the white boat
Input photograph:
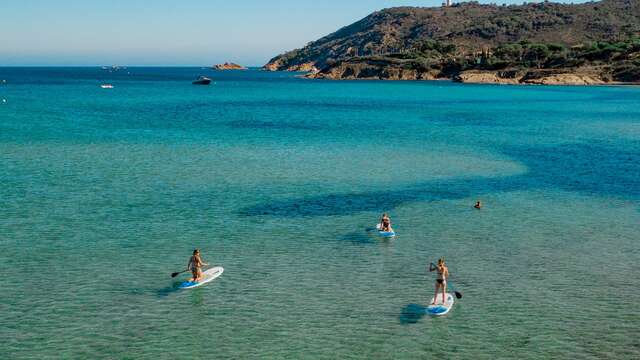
x,y
106,86
202,80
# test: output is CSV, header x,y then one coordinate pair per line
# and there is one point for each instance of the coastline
x,y
486,44
487,78
398,68
611,84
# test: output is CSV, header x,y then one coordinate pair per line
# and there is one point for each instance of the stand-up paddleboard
x,y
439,308
385,233
207,276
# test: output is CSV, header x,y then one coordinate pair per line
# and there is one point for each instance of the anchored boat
x,y
202,80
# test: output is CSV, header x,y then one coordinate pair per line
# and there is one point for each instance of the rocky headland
x,y
536,43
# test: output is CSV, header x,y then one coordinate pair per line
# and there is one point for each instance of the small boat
x,y
202,80
113,68
106,86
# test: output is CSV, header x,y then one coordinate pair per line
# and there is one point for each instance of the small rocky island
x,y
229,66
536,43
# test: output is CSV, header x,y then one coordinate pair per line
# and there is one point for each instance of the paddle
x,y
178,273
432,267
458,294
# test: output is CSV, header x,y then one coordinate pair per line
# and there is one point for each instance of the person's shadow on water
x,y
164,292
358,237
412,313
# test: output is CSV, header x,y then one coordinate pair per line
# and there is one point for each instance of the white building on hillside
x,y
447,3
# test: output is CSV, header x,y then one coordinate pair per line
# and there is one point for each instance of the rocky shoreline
x,y
280,66
479,77
383,70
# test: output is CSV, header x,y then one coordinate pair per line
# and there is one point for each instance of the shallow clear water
x,y
104,193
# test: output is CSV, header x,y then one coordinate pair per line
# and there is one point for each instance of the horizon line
x,y
127,66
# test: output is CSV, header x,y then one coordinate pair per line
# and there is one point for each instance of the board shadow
x,y
357,237
166,291
412,313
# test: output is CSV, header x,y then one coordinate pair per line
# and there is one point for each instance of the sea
x,y
104,193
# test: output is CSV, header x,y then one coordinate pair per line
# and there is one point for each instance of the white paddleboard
x,y
385,233
207,276
440,308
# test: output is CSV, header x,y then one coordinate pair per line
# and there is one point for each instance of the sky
x,y
172,32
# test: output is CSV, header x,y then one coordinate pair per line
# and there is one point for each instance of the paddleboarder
x,y
441,280
385,223
195,265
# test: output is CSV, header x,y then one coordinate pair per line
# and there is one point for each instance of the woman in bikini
x,y
441,280
195,265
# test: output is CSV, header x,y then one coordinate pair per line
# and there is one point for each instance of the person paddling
x,y
478,205
385,223
441,280
195,265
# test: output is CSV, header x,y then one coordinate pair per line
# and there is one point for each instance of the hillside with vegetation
x,y
546,43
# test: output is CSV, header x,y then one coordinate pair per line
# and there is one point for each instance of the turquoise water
x,y
104,193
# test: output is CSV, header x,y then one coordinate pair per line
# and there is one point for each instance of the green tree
x,y
508,52
536,54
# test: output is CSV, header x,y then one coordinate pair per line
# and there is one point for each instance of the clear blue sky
x,y
172,32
